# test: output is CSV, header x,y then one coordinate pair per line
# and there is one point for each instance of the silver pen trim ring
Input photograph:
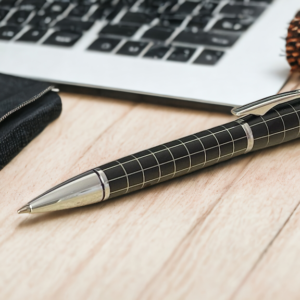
x,y
249,134
104,182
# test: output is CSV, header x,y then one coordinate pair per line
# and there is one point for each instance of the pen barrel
x,y
203,149
174,159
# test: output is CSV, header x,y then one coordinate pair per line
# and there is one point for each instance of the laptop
x,y
216,52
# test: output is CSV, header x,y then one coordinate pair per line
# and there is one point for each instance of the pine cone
x,y
293,43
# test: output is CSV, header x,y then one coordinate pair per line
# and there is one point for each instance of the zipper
x,y
33,99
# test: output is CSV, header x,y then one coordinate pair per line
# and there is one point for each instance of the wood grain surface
x,y
227,232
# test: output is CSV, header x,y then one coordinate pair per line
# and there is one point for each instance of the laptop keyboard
x,y
185,31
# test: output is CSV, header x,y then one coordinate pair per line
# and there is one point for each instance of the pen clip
x,y
261,107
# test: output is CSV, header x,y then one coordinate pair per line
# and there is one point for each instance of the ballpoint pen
x,y
264,123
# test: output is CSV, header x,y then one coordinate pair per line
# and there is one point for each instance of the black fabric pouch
x,y
26,108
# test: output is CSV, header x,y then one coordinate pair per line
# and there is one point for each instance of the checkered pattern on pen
x,y
175,158
200,150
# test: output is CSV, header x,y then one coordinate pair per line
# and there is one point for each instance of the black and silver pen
x,y
264,123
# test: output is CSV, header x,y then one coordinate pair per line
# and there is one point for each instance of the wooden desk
x,y
228,232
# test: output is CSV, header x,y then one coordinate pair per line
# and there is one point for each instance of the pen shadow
x,y
33,220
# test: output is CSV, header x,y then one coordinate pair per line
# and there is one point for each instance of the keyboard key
x,y
208,8
56,8
186,8
181,54
132,48
88,2
158,33
101,12
8,32
152,7
107,11
233,24
63,38
114,11
79,11
157,52
38,3
104,44
3,13
120,29
199,21
242,10
19,17
138,18
208,57
171,20
7,3
30,5
32,35
206,38
159,3
74,25
42,21
170,9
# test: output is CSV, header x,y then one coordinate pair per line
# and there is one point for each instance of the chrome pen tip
x,y
24,210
